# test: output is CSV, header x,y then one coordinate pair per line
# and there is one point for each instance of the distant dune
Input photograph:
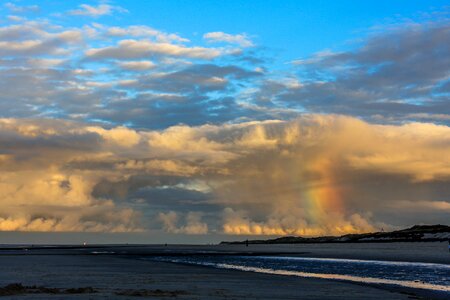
x,y
417,233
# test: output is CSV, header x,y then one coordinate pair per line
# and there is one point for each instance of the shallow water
x,y
427,276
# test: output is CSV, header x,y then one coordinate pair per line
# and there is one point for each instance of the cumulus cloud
x,y
21,9
132,49
237,223
302,177
39,194
144,77
194,79
32,39
96,11
144,31
132,128
58,80
14,18
193,223
314,175
218,36
140,65
397,73
123,75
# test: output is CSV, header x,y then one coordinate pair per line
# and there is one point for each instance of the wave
x,y
371,280
242,265
360,261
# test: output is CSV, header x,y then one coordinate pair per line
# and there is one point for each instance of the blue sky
x,y
208,119
294,29
280,37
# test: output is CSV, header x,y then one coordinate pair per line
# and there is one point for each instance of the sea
x,y
417,275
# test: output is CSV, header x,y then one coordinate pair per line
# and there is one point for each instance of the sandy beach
x,y
73,274
111,277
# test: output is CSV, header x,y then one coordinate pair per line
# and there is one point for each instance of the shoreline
x,y
122,271
417,293
120,278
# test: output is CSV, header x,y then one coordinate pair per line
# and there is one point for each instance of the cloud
x,y
132,49
396,73
32,39
21,9
193,223
120,135
144,31
301,177
218,36
14,18
52,199
39,194
144,77
195,78
64,76
159,166
124,129
96,11
440,206
140,65
314,175
237,223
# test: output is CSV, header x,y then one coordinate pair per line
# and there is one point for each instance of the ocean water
x,y
429,276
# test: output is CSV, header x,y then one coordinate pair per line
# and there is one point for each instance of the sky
x,y
196,122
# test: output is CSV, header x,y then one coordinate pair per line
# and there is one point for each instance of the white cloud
x,y
14,18
132,49
32,38
144,31
45,62
218,36
140,65
21,9
96,11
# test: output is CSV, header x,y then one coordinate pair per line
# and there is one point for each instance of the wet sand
x,y
106,277
117,272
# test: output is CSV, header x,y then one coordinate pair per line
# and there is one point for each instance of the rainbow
x,y
321,200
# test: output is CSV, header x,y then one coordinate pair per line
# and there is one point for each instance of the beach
x,y
128,278
98,273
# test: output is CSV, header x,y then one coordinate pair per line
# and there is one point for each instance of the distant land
x,y
417,233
